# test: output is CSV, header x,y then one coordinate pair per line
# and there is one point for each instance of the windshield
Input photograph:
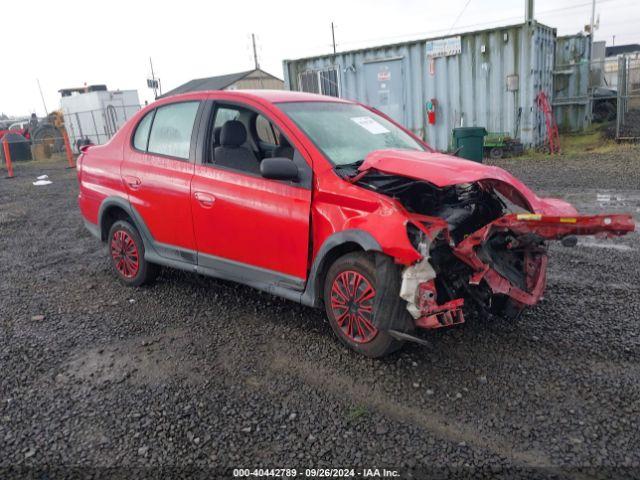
x,y
345,132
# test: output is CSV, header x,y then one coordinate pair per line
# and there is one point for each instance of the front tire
x,y
349,292
126,251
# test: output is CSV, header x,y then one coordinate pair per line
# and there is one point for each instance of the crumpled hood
x,y
446,170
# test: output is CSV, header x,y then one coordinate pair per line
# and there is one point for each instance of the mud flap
x,y
390,310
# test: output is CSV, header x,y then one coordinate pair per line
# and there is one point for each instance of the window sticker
x,y
370,125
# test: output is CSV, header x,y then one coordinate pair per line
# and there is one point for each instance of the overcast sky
x,y
67,43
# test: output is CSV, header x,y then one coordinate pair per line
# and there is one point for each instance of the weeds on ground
x,y
592,140
356,412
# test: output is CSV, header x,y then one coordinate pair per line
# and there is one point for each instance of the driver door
x,y
249,228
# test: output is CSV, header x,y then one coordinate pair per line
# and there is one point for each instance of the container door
x,y
384,83
113,112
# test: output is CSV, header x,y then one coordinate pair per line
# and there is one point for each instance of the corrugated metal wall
x,y
571,82
470,88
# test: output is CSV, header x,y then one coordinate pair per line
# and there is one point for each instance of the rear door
x,y
249,228
157,172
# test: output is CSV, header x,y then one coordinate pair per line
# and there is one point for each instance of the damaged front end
x,y
483,243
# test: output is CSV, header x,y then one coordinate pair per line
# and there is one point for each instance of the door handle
x,y
133,182
205,199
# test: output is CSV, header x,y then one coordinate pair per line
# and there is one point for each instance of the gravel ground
x,y
200,376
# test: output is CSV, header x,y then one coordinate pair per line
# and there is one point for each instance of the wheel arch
x,y
111,210
334,247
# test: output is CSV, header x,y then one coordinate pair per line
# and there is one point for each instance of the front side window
x,y
172,128
346,132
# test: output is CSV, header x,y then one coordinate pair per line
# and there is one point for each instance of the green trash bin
x,y
470,141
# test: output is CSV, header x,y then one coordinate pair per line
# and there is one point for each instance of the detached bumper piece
x,y
485,250
496,270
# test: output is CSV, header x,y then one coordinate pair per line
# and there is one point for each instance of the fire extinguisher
x,y
431,111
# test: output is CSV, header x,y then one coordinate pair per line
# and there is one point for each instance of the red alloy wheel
x,y
352,306
125,254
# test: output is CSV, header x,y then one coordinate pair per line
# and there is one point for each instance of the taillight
x,y
79,166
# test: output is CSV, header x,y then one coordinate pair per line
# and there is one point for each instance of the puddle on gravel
x,y
591,201
621,244
142,361
607,246
622,202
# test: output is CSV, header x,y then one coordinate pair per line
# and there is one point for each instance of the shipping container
x,y
487,78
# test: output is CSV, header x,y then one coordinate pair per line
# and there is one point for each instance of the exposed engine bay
x,y
465,209
483,254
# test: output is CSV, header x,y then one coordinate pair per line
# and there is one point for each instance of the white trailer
x,y
96,115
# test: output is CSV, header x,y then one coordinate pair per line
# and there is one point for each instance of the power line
x,y
469,26
42,97
459,15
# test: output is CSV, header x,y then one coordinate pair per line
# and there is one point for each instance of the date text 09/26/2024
x,y
315,473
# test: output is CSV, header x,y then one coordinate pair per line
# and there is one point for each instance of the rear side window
x,y
172,128
142,132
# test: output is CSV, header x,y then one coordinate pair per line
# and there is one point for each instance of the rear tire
x,y
349,292
126,251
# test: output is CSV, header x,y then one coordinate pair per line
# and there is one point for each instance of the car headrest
x,y
216,135
233,134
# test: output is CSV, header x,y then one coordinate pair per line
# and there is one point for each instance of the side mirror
x,y
279,168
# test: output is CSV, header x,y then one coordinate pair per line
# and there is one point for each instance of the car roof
x,y
271,96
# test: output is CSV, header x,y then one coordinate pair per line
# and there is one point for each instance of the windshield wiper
x,y
349,171
349,166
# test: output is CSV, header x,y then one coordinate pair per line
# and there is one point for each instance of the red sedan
x,y
325,202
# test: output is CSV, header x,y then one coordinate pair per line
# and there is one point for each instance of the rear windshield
x,y
346,132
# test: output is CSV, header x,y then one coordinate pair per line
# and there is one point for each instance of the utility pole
x,y
46,112
528,11
255,52
593,18
591,86
591,32
153,79
333,38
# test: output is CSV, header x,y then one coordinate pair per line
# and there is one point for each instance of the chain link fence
x,y
44,138
603,90
97,126
627,77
